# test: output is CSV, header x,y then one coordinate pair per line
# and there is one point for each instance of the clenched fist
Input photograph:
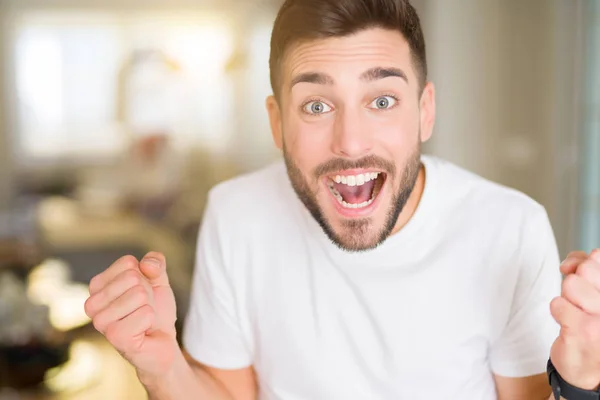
x,y
133,306
576,352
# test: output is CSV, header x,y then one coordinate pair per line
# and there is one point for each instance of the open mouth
x,y
356,191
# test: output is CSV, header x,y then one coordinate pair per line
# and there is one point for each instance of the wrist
x,y
160,379
572,389
584,383
182,382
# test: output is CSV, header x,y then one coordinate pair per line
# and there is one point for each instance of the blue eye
x,y
383,102
316,107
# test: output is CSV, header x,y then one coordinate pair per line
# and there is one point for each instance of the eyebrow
x,y
313,77
369,75
377,73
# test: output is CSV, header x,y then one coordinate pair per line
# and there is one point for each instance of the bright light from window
x,y
202,51
79,97
40,78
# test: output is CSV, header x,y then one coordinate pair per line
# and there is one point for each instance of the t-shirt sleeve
x,y
212,333
523,347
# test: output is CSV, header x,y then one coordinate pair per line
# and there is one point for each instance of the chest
x,y
322,331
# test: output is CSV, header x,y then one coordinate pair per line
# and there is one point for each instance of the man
x,y
359,269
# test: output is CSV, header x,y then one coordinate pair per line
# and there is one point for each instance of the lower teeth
x,y
344,204
361,205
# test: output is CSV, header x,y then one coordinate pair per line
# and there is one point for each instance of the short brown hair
x,y
306,20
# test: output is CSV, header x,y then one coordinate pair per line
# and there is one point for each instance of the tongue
x,y
355,194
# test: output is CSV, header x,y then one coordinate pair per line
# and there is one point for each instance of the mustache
x,y
338,164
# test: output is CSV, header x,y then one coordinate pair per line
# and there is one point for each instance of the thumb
x,y
154,268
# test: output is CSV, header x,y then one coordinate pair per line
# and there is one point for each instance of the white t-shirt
x,y
462,292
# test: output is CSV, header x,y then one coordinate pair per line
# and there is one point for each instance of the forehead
x,y
356,53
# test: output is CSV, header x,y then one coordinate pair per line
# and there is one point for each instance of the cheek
x,y
397,134
307,143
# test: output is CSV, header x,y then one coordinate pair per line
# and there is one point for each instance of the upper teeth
x,y
356,180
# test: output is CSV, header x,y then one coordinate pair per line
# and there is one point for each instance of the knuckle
x,y
586,270
570,284
146,317
94,283
112,333
140,294
128,261
146,313
100,299
115,336
583,270
555,306
98,324
88,307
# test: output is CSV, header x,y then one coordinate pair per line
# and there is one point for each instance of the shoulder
x,y
504,229
472,193
248,218
254,197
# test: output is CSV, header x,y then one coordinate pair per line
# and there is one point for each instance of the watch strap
x,y
560,387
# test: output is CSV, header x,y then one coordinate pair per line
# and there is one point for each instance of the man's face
x,y
350,123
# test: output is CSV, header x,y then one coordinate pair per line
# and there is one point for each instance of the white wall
x,y
507,75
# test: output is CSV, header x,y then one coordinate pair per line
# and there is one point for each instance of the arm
x,y
526,388
518,357
187,379
184,381
215,344
577,346
239,383
133,306
573,350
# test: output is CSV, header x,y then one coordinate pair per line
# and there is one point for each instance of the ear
x,y
275,121
427,105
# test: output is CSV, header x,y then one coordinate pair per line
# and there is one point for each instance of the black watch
x,y
566,390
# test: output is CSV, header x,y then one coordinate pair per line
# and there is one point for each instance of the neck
x,y
413,202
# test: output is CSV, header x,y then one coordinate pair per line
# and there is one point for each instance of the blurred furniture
x,y
91,242
95,371
47,351
29,344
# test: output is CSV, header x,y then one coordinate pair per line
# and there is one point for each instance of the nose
x,y
351,138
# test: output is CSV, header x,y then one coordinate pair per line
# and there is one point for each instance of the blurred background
x,y
117,116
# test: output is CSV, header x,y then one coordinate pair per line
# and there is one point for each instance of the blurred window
x,y
86,83
590,216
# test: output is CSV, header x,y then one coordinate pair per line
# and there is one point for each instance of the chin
x,y
355,234
356,242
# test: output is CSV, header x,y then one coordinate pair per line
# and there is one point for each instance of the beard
x,y
357,234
